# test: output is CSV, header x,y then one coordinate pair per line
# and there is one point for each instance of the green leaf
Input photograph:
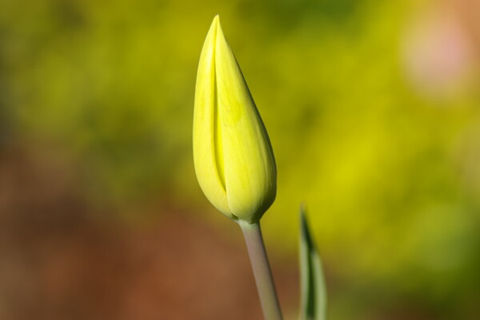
x,y
313,300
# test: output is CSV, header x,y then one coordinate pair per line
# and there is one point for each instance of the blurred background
x,y
373,109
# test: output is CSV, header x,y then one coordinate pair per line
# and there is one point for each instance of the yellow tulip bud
x,y
233,157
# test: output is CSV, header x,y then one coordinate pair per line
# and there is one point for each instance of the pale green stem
x,y
261,270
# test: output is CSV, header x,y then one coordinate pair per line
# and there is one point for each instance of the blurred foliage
x,y
390,175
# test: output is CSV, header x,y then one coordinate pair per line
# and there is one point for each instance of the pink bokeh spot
x,y
437,53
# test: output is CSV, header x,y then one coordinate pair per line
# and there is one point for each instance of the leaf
x,y
313,299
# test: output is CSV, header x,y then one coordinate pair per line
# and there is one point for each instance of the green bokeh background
x,y
388,170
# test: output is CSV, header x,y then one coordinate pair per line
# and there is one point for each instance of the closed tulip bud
x,y
233,157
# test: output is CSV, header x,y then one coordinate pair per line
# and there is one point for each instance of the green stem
x,y
261,270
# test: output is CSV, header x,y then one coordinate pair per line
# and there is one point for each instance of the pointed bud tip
x,y
215,24
216,20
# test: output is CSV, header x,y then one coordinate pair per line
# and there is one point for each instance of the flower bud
x,y
233,157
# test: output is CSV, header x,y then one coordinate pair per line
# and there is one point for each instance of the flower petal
x,y
208,159
249,164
